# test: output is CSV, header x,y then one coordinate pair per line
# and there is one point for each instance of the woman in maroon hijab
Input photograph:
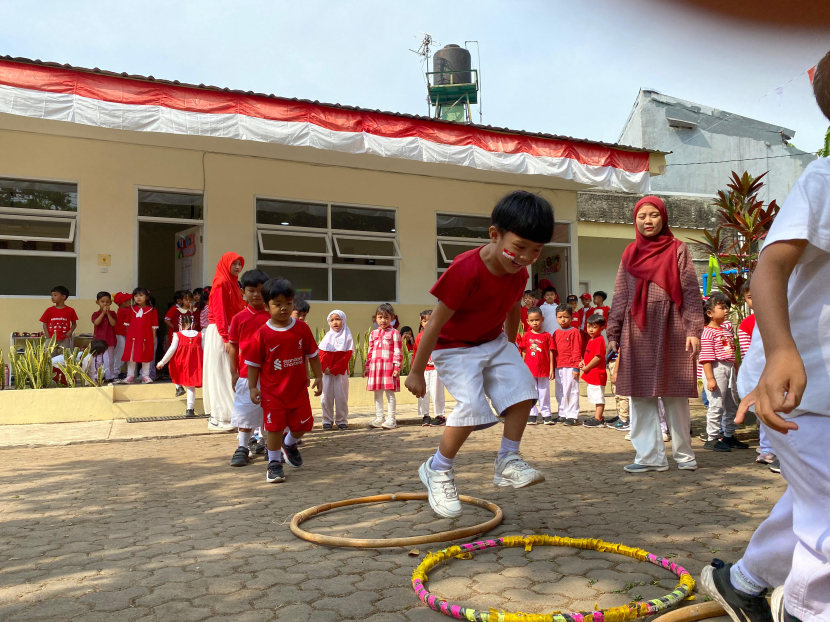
x,y
656,320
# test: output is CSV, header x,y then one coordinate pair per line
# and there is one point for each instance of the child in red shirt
x,y
568,343
585,299
538,353
185,358
471,337
142,324
599,307
383,366
435,387
277,377
60,321
174,316
528,302
593,370
336,349
123,301
103,328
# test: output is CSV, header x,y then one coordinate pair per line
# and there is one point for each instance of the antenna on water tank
x,y
427,41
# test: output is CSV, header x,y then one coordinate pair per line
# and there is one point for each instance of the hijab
x,y
227,285
337,341
653,260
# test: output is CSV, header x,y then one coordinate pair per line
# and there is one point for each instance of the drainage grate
x,y
170,418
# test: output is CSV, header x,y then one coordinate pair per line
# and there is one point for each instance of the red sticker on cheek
x,y
509,255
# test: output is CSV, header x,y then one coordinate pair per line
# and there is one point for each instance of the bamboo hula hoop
x,y
443,536
625,613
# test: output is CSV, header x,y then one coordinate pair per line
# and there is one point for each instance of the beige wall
x,y
109,166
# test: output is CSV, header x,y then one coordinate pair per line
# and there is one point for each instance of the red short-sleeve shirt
x,y
597,375
243,330
104,330
568,344
58,321
479,298
537,347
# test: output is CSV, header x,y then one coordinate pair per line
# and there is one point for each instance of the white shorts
x,y
596,394
245,414
492,370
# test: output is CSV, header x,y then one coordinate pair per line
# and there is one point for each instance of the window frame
x,y
329,233
6,216
444,239
395,247
76,216
260,231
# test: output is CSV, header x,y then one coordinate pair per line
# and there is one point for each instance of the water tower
x,y
453,84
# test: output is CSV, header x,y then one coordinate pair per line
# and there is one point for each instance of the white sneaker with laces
x,y
389,424
666,437
515,472
378,422
443,495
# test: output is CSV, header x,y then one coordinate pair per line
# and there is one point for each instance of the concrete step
x,y
145,392
154,408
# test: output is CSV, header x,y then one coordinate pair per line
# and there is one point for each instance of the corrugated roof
x,y
127,76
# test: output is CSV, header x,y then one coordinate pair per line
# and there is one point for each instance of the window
x,y
38,226
330,252
177,205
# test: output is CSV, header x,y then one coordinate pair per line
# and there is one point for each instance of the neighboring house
x,y
703,146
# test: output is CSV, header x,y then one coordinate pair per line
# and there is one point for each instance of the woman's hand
x,y
612,345
693,346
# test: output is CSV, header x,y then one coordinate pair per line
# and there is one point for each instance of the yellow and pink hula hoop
x,y
631,611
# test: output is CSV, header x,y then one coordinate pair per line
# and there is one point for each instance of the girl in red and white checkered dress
x,y
383,366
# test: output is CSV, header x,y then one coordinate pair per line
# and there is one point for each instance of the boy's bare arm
x,y
72,328
594,362
97,321
783,380
318,375
511,322
415,380
234,354
45,328
253,377
711,383
113,320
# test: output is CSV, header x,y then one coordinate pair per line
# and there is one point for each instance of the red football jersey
x,y
244,327
280,353
537,347
596,375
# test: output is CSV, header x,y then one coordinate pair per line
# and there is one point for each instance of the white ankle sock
x,y
275,455
290,440
441,463
508,447
743,583
244,437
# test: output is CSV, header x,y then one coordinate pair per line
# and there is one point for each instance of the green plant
x,y
34,366
406,361
353,360
73,371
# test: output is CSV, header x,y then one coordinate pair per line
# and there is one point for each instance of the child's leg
x,y
120,343
423,402
379,404
152,368
572,398
391,404
436,390
131,370
109,372
191,397
327,399
560,392
543,405
341,398
678,419
731,400
453,438
764,446
714,415
534,411
145,370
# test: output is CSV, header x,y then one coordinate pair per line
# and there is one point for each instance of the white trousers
x,y
543,405
647,435
764,446
191,397
435,390
217,388
145,369
335,398
391,403
567,393
120,344
792,547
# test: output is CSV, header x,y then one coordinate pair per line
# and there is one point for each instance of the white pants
x,y
661,410
246,414
723,401
764,446
567,393
647,435
335,398
120,344
145,370
435,389
109,367
217,388
543,405
191,397
792,547
391,403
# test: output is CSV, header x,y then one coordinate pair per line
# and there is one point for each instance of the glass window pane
x,y
362,219
271,212
288,243
463,226
363,285
561,233
43,195
352,261
42,274
294,258
31,245
380,248
170,205
452,250
55,230
310,283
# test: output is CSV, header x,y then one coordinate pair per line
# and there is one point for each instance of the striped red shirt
x,y
717,344
745,334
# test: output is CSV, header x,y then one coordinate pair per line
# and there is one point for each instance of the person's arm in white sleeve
x,y
174,343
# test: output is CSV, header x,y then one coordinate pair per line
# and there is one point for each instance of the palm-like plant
x,y
34,366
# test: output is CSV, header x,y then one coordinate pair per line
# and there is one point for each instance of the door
x,y
188,258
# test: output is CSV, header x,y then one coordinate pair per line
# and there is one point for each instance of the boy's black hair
x,y
716,299
277,287
186,293
141,290
535,310
597,319
252,278
745,287
61,290
100,295
821,85
177,295
301,305
548,289
526,214
561,308
528,292
573,297
601,294
386,308
97,347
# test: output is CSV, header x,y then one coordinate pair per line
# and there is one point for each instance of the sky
x,y
555,66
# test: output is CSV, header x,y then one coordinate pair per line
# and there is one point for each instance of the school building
x,y
111,181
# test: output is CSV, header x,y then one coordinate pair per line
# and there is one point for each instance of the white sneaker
x,y
691,465
666,437
443,495
389,424
515,472
628,436
378,422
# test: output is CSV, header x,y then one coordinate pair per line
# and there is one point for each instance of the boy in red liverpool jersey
x,y
276,362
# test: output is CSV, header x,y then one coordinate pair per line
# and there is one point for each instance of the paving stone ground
x,y
167,530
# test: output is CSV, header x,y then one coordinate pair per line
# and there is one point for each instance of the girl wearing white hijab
x,y
336,349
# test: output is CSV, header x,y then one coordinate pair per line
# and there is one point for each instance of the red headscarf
x,y
225,297
653,260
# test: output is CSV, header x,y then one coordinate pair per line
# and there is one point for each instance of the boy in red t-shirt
x,y
538,353
569,344
585,311
60,320
471,337
244,326
528,302
103,328
277,378
123,301
593,370
599,307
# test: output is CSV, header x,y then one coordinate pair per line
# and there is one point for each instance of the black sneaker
x,y
548,420
240,457
734,443
292,455
611,421
569,422
439,420
327,427
775,467
717,445
715,581
531,421
189,413
593,422
426,421
259,449
342,426
179,390
275,473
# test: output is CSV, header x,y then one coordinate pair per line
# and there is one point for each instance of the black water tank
x,y
452,58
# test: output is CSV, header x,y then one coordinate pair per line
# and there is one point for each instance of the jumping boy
x,y
471,337
277,376
785,377
244,326
538,353
60,321
568,341
593,370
